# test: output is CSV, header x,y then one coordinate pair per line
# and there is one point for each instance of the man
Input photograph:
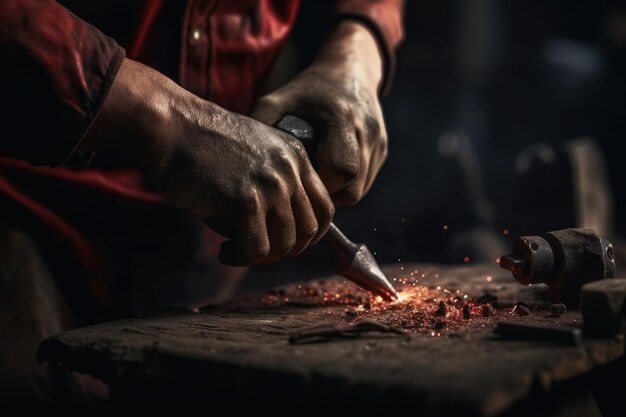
x,y
71,95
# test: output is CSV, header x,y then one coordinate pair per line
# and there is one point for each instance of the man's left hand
x,y
338,96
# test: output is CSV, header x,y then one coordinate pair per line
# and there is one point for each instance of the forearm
x,y
384,20
141,114
139,101
351,49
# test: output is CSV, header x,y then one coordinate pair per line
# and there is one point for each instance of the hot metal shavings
x,y
419,309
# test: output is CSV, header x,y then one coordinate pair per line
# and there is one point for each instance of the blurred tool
x,y
354,261
542,332
475,236
569,185
564,259
603,304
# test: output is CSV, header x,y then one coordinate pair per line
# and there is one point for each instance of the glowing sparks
x,y
415,309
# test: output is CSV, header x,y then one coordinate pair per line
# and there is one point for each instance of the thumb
x,y
338,158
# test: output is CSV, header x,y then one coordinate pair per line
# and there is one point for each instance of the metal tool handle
x,y
302,130
354,261
297,127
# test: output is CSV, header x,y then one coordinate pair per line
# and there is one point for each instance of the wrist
x,y
135,116
352,49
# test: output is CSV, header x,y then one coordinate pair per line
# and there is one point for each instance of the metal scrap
x,y
557,310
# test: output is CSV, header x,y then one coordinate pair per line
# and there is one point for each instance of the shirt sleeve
x,y
384,19
55,74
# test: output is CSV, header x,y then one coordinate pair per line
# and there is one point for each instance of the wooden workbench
x,y
241,351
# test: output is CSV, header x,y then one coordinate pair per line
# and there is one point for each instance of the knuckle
x,y
298,149
374,127
330,210
270,181
349,197
352,198
384,155
267,101
342,107
311,233
250,201
343,170
384,145
283,160
383,149
327,212
258,251
346,171
283,247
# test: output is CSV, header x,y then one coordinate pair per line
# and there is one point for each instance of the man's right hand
x,y
249,182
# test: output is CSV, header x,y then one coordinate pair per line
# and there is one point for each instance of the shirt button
x,y
196,34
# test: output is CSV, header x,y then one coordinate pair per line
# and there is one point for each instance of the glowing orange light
x,y
489,278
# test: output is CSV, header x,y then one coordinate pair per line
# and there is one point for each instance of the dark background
x,y
491,78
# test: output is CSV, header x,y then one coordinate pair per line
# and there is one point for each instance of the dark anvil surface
x,y
241,349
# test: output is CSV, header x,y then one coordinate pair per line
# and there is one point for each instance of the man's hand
x,y
338,95
249,182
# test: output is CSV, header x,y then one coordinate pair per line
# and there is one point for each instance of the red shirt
x,y
56,72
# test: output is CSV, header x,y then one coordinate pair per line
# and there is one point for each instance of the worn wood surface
x,y
241,350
